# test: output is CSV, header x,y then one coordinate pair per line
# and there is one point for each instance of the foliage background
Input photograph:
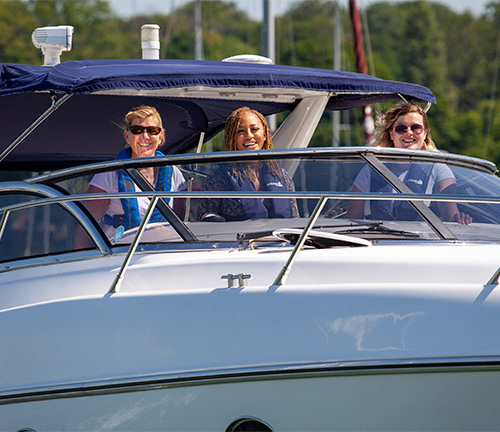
x,y
454,54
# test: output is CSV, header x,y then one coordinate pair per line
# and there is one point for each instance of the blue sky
x,y
254,7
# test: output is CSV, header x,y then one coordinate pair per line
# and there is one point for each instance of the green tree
x,y
226,31
386,24
97,32
16,26
305,34
97,35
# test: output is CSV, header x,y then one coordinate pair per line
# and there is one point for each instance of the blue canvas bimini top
x,y
192,97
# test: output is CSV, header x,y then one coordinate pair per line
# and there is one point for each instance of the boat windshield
x,y
253,198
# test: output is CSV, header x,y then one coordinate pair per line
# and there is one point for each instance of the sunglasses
x,y
415,128
139,130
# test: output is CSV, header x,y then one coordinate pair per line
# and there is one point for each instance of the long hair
x,y
230,133
233,123
386,123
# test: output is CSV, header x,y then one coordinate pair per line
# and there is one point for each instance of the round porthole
x,y
248,425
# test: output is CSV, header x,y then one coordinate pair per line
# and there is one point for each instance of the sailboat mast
x,y
361,67
198,38
337,46
268,31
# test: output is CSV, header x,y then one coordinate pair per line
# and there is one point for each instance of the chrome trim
x,y
246,374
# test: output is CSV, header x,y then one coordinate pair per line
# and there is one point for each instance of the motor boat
x,y
317,322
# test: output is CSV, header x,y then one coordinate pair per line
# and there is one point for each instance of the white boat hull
x,y
441,398
381,354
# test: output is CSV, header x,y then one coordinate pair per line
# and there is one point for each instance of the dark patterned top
x,y
231,208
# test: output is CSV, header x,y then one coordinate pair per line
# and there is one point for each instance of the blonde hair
x,y
230,133
387,121
143,112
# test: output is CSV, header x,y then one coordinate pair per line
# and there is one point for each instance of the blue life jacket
x,y
130,218
416,179
254,208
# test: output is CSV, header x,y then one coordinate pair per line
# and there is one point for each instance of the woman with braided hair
x,y
247,129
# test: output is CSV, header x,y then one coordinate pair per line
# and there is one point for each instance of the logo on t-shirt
x,y
278,184
417,181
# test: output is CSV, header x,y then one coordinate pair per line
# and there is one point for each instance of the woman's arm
x,y
355,208
449,210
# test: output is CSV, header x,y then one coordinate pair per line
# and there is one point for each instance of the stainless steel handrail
x,y
114,288
51,196
342,153
285,271
232,194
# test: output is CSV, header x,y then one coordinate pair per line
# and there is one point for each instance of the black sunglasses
x,y
415,128
139,130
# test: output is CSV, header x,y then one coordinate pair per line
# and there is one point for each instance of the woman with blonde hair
x,y
247,129
143,133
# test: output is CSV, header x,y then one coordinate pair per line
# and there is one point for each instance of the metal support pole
x,y
56,103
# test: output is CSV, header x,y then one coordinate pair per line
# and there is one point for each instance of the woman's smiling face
x,y
144,144
411,137
250,134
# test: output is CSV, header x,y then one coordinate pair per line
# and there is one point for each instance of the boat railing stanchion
x,y
494,279
285,271
3,222
135,242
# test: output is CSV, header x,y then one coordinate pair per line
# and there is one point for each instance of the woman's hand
x,y
462,218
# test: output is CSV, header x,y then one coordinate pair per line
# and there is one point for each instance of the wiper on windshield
x,y
315,238
377,228
372,229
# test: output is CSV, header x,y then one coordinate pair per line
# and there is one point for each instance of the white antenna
x,y
150,38
53,41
